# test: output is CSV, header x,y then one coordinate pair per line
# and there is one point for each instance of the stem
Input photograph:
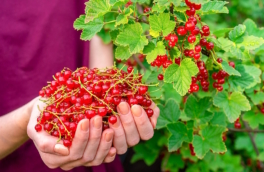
x,y
246,130
139,62
110,22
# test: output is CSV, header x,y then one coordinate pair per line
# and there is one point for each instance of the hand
x,y
133,124
88,149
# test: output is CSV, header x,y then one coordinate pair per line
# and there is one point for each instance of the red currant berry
x,y
181,31
173,38
112,119
210,46
42,93
191,53
203,42
198,48
102,111
220,88
262,110
205,28
38,127
178,61
221,81
160,77
194,80
232,64
186,53
219,60
196,56
67,143
189,25
191,38
149,112
142,90
197,6
237,125
190,12
129,69
171,44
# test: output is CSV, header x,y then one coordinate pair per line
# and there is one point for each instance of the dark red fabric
x,y
37,39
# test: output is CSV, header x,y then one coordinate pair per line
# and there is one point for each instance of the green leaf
x,y
257,98
232,104
225,44
250,42
105,36
132,37
214,7
197,110
123,18
159,50
221,32
168,2
114,34
88,29
253,29
219,119
181,75
229,69
245,81
261,156
175,52
96,8
158,8
178,134
199,1
237,31
148,48
161,23
254,119
170,113
171,165
122,53
210,139
148,151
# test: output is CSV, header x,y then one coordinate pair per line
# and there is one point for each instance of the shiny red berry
x,y
160,77
112,119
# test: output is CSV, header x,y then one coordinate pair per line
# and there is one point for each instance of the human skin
x,y
90,146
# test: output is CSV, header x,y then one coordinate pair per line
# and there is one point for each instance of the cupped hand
x,y
90,146
132,125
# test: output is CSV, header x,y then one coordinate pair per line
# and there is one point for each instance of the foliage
x,y
202,119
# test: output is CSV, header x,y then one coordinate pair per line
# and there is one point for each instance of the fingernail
x,y
60,149
97,122
108,136
85,125
136,110
123,108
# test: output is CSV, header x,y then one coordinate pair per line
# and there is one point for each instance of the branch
x,y
139,62
245,130
253,143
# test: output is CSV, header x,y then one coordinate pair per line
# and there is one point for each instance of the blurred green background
x,y
239,11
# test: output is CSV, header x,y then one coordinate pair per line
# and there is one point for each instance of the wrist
x,y
22,117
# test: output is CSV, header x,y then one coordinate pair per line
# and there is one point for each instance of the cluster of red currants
x,y
129,3
202,77
84,93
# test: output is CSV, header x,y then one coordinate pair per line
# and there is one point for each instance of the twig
x,y
245,130
139,62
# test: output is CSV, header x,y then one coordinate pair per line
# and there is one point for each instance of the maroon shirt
x,y
37,39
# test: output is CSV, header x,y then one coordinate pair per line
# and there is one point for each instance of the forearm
x,y
101,55
13,129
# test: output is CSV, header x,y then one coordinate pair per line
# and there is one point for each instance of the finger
x,y
111,155
119,138
155,115
92,145
80,140
104,147
94,139
127,120
144,126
